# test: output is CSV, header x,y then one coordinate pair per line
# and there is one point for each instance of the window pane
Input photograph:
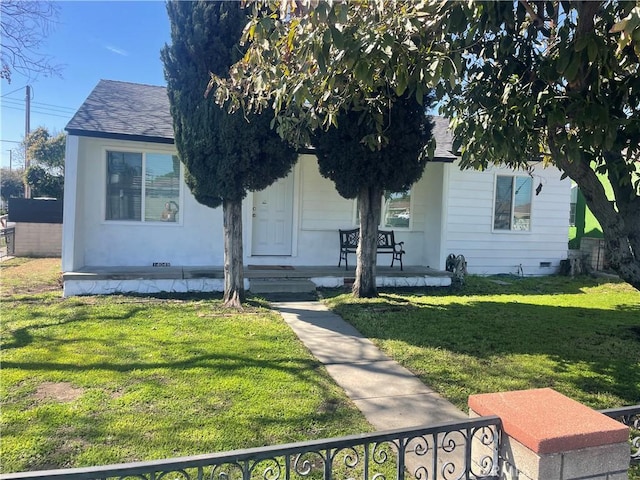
x,y
162,188
522,201
502,209
396,211
124,186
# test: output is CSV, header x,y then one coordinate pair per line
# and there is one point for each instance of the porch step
x,y
281,285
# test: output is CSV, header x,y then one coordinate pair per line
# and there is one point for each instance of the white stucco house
x,y
131,224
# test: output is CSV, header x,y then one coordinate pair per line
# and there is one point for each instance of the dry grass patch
x,y
20,276
58,391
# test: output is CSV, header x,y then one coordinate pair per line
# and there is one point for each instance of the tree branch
x,y
538,21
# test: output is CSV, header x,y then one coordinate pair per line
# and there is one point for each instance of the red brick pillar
x,y
548,436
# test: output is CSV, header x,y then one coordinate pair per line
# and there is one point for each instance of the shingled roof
x,y
133,111
123,110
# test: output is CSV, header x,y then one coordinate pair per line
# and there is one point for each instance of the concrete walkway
x,y
387,394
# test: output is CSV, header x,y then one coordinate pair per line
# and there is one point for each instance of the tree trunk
x,y
620,223
369,202
233,269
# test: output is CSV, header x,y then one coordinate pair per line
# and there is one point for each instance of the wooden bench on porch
x,y
386,245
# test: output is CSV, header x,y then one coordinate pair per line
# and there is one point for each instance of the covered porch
x,y
258,279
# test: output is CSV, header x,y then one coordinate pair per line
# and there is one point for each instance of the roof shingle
x,y
140,112
124,110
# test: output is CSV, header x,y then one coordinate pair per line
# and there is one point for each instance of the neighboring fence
x,y
591,257
31,210
594,251
450,450
38,226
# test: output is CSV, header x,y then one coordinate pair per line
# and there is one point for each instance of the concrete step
x,y
281,285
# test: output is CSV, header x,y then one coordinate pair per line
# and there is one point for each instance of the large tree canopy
x,y
11,183
46,152
522,81
365,174
225,155
352,165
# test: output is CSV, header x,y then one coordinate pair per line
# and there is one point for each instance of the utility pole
x,y
10,158
27,129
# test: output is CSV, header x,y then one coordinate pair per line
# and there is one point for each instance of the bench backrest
x,y
350,238
386,239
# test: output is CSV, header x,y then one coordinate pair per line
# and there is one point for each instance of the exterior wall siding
x,y
195,240
451,213
322,207
469,225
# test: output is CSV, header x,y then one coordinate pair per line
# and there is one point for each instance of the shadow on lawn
x,y
503,285
22,336
147,413
595,350
116,437
140,416
216,362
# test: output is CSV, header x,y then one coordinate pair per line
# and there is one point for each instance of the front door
x,y
273,219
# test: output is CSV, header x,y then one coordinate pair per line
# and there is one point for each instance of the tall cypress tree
x,y
365,174
225,155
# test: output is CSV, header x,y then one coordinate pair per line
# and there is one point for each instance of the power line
x,y
40,112
12,91
53,106
69,115
43,106
56,109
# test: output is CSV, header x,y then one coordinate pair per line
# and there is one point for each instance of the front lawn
x,y
580,337
97,380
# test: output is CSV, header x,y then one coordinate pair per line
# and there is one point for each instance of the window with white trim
x,y
395,211
512,205
142,187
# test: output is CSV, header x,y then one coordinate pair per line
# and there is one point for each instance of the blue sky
x,y
93,40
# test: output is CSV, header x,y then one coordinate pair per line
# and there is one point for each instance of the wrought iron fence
x,y
630,416
445,451
7,241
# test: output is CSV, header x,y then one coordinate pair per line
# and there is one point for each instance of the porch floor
x,y
250,271
100,280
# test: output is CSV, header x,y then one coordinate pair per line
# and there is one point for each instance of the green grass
x,y
580,337
98,380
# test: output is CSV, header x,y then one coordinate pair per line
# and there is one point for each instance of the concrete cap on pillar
x,y
546,421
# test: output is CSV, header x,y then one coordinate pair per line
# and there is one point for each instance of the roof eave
x,y
119,136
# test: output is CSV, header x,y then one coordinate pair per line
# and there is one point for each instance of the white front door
x,y
273,219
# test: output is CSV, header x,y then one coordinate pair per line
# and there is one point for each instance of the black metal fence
x,y
629,416
452,450
466,450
